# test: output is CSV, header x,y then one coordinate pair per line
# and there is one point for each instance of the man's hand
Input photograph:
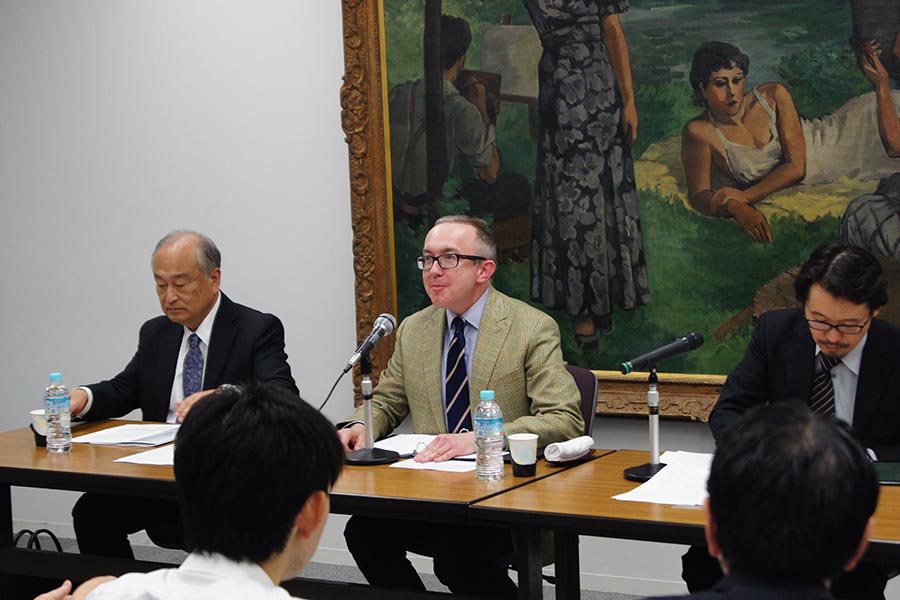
x,y
353,437
182,408
447,446
77,401
62,592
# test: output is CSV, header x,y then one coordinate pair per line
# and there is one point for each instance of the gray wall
x,y
121,120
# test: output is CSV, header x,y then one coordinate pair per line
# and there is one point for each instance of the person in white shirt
x,y
253,468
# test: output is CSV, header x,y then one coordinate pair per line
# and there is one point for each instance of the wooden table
x,y
440,496
579,501
370,490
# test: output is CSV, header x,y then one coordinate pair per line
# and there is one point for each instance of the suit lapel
x,y
428,350
873,377
800,351
492,334
221,339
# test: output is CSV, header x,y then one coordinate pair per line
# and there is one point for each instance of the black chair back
x,y
588,387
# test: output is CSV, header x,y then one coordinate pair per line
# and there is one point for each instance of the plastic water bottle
x,y
56,409
488,423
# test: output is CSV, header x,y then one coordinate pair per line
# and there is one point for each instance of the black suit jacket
x,y
779,365
739,586
244,345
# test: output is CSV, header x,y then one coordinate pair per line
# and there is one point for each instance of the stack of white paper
x,y
158,456
452,466
405,444
154,434
681,482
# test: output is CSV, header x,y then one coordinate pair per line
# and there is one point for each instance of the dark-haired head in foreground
x,y
253,468
790,496
248,464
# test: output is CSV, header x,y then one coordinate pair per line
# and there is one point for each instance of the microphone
x,y
384,325
691,341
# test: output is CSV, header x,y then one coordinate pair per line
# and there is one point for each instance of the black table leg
x,y
565,547
530,564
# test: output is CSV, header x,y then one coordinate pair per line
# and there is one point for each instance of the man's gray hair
x,y
487,245
208,256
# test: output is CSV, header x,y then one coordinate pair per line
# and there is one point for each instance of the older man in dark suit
x,y
204,341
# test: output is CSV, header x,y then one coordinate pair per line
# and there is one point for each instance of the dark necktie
x,y
456,383
192,377
821,400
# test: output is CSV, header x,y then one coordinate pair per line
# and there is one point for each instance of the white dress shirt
x,y
844,377
204,332
200,577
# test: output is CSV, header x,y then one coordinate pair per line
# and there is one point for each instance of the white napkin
x,y
571,450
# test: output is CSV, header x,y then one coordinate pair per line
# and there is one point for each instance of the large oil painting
x,y
650,168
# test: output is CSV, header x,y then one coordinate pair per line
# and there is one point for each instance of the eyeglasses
x,y
446,261
846,329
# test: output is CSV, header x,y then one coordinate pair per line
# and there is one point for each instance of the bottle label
x,y
489,426
57,403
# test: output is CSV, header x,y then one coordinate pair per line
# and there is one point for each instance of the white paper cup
x,y
39,419
523,451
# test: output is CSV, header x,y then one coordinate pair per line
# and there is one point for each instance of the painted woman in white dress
x,y
748,145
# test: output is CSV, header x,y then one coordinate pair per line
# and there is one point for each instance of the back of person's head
x,y
791,494
711,57
246,460
456,36
845,271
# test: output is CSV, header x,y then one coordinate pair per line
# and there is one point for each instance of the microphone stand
x,y
648,470
369,454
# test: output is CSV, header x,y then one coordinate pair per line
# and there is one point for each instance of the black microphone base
x,y
371,456
643,472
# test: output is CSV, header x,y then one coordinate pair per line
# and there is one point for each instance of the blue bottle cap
x,y
55,377
487,394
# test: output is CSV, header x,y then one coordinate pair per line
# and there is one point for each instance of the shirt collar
x,y
224,566
204,331
473,315
853,359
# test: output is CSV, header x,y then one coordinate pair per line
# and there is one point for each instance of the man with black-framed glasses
x,y
833,354
472,338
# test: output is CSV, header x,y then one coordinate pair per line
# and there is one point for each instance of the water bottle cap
x,y
55,377
487,394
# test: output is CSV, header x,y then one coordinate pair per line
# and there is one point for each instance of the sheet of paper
x,y
681,482
405,443
154,434
158,456
450,466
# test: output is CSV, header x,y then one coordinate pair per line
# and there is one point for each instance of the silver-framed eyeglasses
x,y
845,329
446,261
